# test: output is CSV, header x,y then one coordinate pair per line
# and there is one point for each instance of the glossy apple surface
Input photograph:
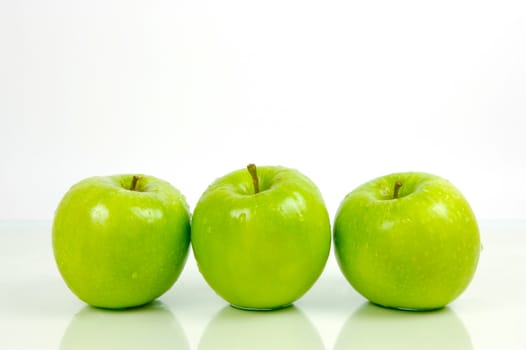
x,y
261,250
417,249
120,242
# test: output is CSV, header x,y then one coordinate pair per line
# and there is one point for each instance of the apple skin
x,y
119,248
261,251
418,251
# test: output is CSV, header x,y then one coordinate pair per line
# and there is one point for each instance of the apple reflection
x,y
149,327
374,327
235,329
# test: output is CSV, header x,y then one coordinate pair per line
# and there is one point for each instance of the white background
x,y
188,91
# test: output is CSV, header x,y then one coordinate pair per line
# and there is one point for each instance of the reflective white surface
x,y
38,311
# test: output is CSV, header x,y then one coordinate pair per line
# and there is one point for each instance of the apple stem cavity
x,y
254,173
134,183
397,186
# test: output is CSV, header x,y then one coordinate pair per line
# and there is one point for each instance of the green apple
x,y
121,241
407,240
261,238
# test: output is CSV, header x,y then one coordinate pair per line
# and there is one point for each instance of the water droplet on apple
x,y
99,214
440,208
240,214
149,214
387,225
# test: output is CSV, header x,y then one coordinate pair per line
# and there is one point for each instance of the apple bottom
x,y
403,308
260,277
248,308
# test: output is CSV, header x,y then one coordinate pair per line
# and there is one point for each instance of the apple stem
x,y
254,173
397,186
134,182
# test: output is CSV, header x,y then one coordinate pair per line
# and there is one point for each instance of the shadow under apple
x,y
375,327
287,328
152,326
